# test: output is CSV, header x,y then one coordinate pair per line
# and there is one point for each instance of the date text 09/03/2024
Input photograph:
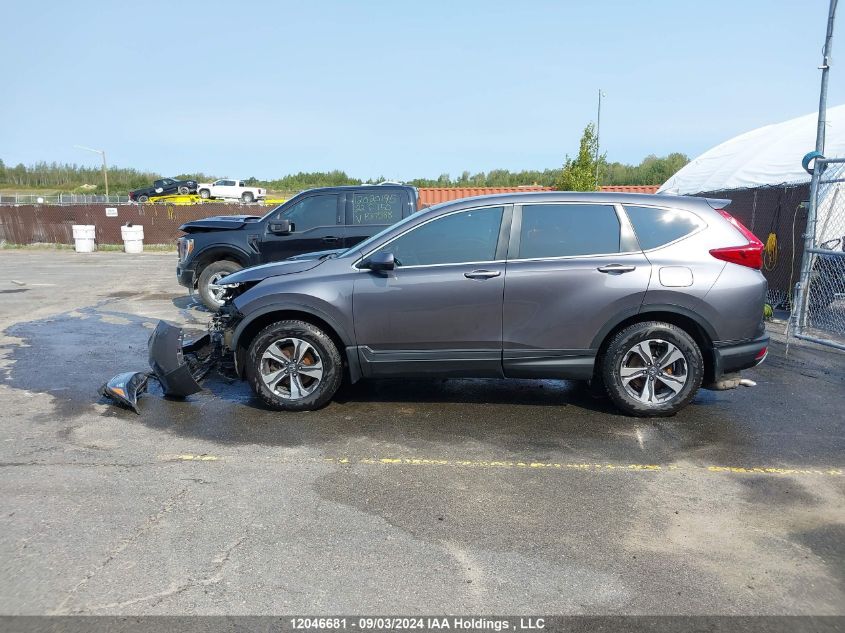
x,y
419,623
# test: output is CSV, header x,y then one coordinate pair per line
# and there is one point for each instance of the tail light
x,y
750,254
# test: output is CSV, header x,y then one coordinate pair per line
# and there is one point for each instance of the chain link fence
x,y
820,295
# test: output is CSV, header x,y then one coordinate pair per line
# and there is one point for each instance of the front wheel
x,y
184,191
294,366
142,199
652,369
208,285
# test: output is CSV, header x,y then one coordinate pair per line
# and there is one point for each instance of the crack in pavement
x,y
176,588
146,526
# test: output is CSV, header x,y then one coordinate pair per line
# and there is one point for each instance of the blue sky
x,y
399,89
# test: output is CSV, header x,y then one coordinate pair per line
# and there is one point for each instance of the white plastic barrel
x,y
83,238
133,238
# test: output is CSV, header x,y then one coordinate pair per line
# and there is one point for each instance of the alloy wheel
x,y
291,368
653,371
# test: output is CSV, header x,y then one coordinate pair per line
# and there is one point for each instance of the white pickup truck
x,y
225,188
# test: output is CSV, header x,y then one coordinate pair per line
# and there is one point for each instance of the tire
x,y
654,391
274,347
184,191
247,197
143,198
205,194
209,276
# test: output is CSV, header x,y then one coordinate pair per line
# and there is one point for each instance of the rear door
x,y
316,221
572,267
371,210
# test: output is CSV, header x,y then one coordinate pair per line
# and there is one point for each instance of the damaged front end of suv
x,y
180,362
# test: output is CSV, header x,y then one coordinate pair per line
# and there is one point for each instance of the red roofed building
x,y
430,196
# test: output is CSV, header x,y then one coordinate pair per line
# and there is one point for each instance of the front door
x,y
316,222
439,312
571,269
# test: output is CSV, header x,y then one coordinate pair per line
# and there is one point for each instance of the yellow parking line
x,y
582,466
189,457
506,464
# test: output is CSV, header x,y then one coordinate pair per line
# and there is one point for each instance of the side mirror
x,y
382,261
281,227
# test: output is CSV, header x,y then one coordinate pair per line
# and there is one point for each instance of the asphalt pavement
x,y
400,497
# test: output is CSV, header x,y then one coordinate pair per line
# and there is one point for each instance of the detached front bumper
x,y
178,365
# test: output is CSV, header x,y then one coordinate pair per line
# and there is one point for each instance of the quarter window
x,y
566,230
312,212
383,207
656,227
468,236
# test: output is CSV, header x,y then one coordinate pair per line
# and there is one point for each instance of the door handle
x,y
331,239
616,268
482,274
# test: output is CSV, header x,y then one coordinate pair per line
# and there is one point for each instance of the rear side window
x,y
312,212
566,230
657,227
384,207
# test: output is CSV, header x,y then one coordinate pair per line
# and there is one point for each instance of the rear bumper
x,y
735,357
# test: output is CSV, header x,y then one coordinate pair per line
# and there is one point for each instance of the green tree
x,y
580,174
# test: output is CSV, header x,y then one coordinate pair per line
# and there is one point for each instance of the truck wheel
x,y
652,369
294,366
210,293
184,191
247,197
143,198
205,194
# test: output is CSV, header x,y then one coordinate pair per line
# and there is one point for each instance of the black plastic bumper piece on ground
x,y
167,359
125,388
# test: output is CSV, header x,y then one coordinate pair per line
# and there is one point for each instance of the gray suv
x,y
647,297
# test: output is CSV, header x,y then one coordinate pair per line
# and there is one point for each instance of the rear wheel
x,y
208,285
247,197
294,366
205,194
652,369
143,198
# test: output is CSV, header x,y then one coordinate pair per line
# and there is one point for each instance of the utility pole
x,y
102,153
825,68
598,136
800,305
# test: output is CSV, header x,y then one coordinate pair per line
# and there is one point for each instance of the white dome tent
x,y
766,157
760,172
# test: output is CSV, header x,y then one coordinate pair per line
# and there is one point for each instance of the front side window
x,y
657,227
568,230
383,207
312,212
467,236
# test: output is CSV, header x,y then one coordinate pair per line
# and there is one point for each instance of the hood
x,y
218,223
274,269
317,254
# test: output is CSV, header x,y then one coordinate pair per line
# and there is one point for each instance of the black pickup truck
x,y
163,187
328,218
